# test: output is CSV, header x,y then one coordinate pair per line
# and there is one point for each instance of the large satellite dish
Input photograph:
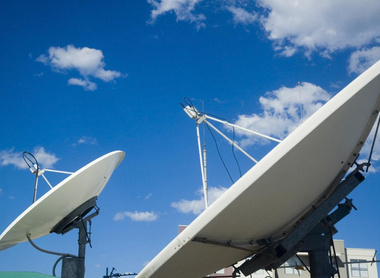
x,y
60,206
271,198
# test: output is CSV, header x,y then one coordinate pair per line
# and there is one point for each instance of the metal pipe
x,y
202,169
51,187
35,187
205,185
245,129
230,141
58,171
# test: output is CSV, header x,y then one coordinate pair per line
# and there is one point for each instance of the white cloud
x,y
44,158
106,75
242,16
86,84
86,140
87,61
324,26
145,216
198,205
283,111
10,157
183,9
362,59
309,26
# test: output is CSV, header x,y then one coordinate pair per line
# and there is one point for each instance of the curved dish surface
x,y
272,196
86,183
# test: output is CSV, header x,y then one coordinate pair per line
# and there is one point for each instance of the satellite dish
x,y
265,204
55,211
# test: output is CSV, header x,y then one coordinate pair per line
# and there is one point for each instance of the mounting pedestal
x,y
73,267
320,265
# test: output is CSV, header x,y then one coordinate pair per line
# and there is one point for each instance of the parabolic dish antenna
x,y
273,196
53,212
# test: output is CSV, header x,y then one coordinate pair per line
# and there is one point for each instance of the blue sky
x,y
82,78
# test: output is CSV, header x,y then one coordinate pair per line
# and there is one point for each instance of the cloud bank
x,y
324,27
88,62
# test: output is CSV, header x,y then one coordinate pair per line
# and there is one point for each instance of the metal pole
x,y
75,267
202,167
35,187
205,177
82,248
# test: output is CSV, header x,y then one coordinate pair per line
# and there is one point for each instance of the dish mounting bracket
x,y
313,234
73,266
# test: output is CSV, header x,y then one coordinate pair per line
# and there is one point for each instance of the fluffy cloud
x,y
87,61
183,9
324,26
362,59
198,205
283,111
145,216
308,26
10,157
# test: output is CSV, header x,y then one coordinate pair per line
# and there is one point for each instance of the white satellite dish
x,y
279,190
55,210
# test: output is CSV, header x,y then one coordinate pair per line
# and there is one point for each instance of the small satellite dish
x,y
266,203
55,211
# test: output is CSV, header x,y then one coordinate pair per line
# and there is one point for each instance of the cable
x,y
233,150
25,156
220,156
188,101
55,265
85,230
233,139
373,144
47,251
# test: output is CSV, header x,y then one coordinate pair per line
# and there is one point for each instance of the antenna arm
x,y
230,141
242,128
57,171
